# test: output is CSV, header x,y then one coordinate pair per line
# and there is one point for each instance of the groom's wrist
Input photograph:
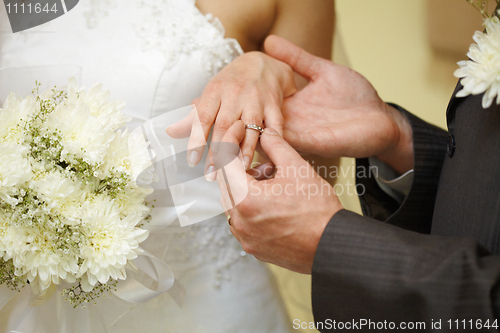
x,y
401,156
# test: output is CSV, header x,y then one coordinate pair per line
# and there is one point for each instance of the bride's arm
x,y
253,86
308,24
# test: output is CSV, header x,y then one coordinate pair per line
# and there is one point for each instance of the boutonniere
x,y
481,73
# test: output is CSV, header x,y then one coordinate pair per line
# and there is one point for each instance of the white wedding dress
x,y
156,56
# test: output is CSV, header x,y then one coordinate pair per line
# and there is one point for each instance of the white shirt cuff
x,y
397,187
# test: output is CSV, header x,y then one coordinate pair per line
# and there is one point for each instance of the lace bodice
x,y
157,56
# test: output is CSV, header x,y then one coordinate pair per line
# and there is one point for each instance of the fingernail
x,y
271,131
166,131
193,159
246,162
211,175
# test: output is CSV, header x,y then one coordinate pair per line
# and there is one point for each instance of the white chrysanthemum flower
x,y
98,101
481,74
10,244
15,170
110,243
43,263
80,131
117,157
128,153
13,118
63,196
39,168
131,200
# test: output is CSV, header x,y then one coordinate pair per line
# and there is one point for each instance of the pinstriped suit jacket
x,y
435,256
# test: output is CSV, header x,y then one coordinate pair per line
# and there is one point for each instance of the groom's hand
x,y
339,113
281,220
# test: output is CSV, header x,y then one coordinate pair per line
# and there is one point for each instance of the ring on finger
x,y
255,127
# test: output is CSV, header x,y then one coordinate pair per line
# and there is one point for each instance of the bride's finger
x,y
182,129
201,125
210,171
230,111
231,176
196,101
226,117
251,137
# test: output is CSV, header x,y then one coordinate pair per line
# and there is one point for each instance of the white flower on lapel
x,y
481,74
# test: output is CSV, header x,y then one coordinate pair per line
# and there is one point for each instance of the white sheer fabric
x,y
157,56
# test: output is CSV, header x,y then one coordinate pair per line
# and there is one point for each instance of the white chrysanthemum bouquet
x,y
70,209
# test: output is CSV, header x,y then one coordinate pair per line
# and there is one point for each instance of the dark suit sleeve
x,y
367,269
394,270
415,213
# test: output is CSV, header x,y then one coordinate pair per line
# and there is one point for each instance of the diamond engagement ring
x,y
255,127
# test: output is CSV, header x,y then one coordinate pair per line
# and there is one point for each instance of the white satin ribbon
x,y
153,279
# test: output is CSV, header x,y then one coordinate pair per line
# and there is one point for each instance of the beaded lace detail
x,y
177,28
204,244
97,9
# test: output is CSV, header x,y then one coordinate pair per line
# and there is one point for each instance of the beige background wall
x,y
388,42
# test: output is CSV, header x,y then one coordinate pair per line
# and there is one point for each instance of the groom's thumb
x,y
300,60
278,150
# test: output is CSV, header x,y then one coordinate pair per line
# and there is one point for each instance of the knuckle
x,y
259,93
255,55
243,228
237,87
205,118
254,116
222,125
213,87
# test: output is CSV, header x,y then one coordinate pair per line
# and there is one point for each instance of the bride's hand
x,y
252,88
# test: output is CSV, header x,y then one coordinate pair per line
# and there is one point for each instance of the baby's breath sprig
x,y
47,105
8,276
482,7
58,96
148,217
114,184
28,211
81,168
78,297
